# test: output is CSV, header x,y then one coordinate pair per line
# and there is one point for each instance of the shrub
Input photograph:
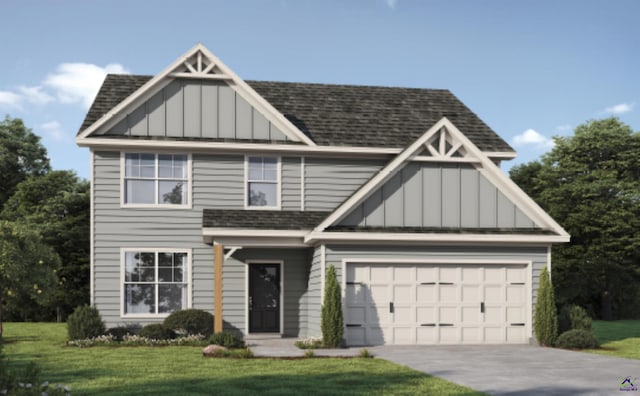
x,y
573,317
84,322
309,353
364,353
577,339
157,331
332,321
546,318
227,340
310,343
118,333
190,321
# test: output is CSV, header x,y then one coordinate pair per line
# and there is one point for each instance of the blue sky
x,y
529,69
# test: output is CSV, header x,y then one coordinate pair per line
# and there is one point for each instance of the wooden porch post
x,y
218,258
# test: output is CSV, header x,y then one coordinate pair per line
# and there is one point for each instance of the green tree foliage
x,y
546,318
57,205
27,269
85,322
332,321
21,156
590,184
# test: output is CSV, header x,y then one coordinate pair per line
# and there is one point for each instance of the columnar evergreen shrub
x,y
332,321
573,317
85,322
546,318
190,321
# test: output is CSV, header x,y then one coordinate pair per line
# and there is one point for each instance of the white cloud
x,y
54,130
531,137
9,99
391,3
79,82
619,108
35,95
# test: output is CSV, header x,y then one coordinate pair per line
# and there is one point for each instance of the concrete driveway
x,y
518,370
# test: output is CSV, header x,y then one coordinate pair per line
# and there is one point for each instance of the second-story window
x,y
262,182
156,179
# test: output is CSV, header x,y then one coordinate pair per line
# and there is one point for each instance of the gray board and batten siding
x,y
197,109
434,195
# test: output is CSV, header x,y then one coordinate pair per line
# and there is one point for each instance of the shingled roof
x,y
342,115
262,219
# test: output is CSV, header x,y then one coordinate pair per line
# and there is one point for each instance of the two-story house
x,y
233,196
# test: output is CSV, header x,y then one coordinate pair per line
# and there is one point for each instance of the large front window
x,y
155,282
262,182
156,179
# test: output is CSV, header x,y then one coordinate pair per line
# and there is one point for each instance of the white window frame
x,y
124,204
188,281
278,183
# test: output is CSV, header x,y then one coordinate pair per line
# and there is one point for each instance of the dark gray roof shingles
x,y
262,219
342,115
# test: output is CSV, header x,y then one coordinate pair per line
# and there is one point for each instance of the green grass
x,y
183,370
619,338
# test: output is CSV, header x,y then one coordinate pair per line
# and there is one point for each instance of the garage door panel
x,y
449,335
356,315
403,314
426,315
448,315
380,274
379,294
471,335
356,294
358,273
426,293
516,334
471,274
494,274
471,293
516,294
471,314
356,336
515,315
403,293
404,274
516,275
493,314
378,314
426,335
494,335
403,335
448,293
426,274
493,294
375,336
448,274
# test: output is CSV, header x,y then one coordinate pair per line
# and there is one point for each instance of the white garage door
x,y
436,304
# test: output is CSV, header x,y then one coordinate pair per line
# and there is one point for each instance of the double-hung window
x,y
155,282
263,182
156,179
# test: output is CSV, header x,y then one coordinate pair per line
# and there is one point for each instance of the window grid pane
x,y
156,179
155,283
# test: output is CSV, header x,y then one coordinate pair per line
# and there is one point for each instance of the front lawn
x,y
618,338
183,370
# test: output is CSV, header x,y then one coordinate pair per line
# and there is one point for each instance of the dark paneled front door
x,y
264,298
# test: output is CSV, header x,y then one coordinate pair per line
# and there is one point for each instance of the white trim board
x,y
314,237
235,82
92,233
486,167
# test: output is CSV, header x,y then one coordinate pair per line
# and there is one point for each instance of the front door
x,y
264,298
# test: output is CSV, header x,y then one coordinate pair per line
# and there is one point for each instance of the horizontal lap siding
x,y
154,228
538,255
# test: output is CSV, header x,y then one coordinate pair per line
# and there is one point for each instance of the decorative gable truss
x,y
465,173
197,96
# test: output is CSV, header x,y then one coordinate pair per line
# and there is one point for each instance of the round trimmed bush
x,y
157,331
191,322
577,339
118,333
85,322
573,317
227,340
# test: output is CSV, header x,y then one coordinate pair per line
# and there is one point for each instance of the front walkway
x,y
284,347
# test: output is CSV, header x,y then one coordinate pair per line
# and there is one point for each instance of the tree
x,y
27,268
332,321
590,183
546,317
57,205
21,155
